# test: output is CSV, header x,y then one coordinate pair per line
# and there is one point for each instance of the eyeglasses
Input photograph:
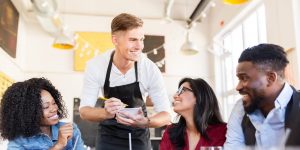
x,y
183,89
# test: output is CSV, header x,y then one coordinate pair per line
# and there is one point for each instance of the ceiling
x,y
179,10
44,11
146,9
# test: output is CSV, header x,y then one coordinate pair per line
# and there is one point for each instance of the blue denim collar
x,y
54,130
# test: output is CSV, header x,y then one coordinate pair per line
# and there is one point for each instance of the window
x,y
251,31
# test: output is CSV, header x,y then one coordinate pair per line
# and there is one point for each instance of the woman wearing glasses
x,y
200,123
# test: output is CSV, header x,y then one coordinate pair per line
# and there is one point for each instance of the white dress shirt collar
x,y
284,97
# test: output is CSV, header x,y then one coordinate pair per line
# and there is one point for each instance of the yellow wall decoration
x,y
5,82
89,45
235,2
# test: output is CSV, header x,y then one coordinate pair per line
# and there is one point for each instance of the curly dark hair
x,y
266,56
206,112
21,108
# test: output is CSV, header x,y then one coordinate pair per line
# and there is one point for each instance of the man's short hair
x,y
267,56
124,22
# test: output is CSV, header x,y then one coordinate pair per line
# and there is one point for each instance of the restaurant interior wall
x,y
38,58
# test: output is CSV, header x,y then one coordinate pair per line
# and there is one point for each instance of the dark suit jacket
x,y
294,137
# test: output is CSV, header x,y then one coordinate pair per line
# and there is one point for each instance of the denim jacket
x,y
42,141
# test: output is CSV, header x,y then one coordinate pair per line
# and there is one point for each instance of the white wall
x,y
10,66
296,12
39,59
280,22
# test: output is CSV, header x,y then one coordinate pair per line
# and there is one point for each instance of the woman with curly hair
x,y
30,113
200,123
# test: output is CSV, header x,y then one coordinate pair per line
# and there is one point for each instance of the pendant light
x,y
235,2
189,47
64,42
49,18
200,13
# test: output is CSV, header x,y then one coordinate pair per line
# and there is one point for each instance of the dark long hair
x,y
206,112
21,108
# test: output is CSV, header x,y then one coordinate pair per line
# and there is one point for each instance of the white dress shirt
x,y
149,77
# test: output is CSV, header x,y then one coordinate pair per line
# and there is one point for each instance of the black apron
x,y
114,136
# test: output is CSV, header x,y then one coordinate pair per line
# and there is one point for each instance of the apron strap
x,y
136,73
106,83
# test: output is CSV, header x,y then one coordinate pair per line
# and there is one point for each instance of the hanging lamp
x,y
48,16
64,41
189,47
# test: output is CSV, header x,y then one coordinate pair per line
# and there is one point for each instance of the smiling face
x,y
252,85
184,99
50,116
129,44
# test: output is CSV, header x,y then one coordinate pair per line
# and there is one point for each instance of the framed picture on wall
x,y
9,18
155,51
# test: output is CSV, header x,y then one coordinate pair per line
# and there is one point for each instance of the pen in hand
x,y
104,99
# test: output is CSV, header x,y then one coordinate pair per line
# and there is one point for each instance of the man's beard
x,y
252,107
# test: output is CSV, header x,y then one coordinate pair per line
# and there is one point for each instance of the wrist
x,y
148,122
108,115
58,146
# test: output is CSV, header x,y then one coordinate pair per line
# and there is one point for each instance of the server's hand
x,y
112,106
137,120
